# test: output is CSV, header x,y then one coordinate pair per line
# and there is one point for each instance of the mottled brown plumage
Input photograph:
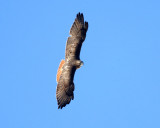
x,y
67,68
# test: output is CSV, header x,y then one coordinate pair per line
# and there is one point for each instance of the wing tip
x,y
62,98
64,101
78,24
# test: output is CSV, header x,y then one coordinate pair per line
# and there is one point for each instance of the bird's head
x,y
79,63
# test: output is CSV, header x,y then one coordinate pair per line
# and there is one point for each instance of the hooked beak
x,y
81,64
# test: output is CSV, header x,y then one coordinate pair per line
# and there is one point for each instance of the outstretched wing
x,y
64,94
77,36
65,86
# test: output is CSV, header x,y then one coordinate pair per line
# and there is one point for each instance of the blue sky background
x,y
119,84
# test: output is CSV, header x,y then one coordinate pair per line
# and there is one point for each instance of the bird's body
x,y
67,67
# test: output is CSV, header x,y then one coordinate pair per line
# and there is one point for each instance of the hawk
x,y
68,67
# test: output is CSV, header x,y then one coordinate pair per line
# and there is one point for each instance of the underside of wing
x,y
78,34
64,98
78,26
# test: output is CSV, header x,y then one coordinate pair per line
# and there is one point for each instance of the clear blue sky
x,y
119,84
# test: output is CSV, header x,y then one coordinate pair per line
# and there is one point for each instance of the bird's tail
x,y
60,70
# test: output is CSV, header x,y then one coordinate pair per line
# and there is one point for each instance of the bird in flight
x,y
67,67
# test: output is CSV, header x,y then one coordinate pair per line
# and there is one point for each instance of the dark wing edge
x,y
61,94
78,25
77,32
